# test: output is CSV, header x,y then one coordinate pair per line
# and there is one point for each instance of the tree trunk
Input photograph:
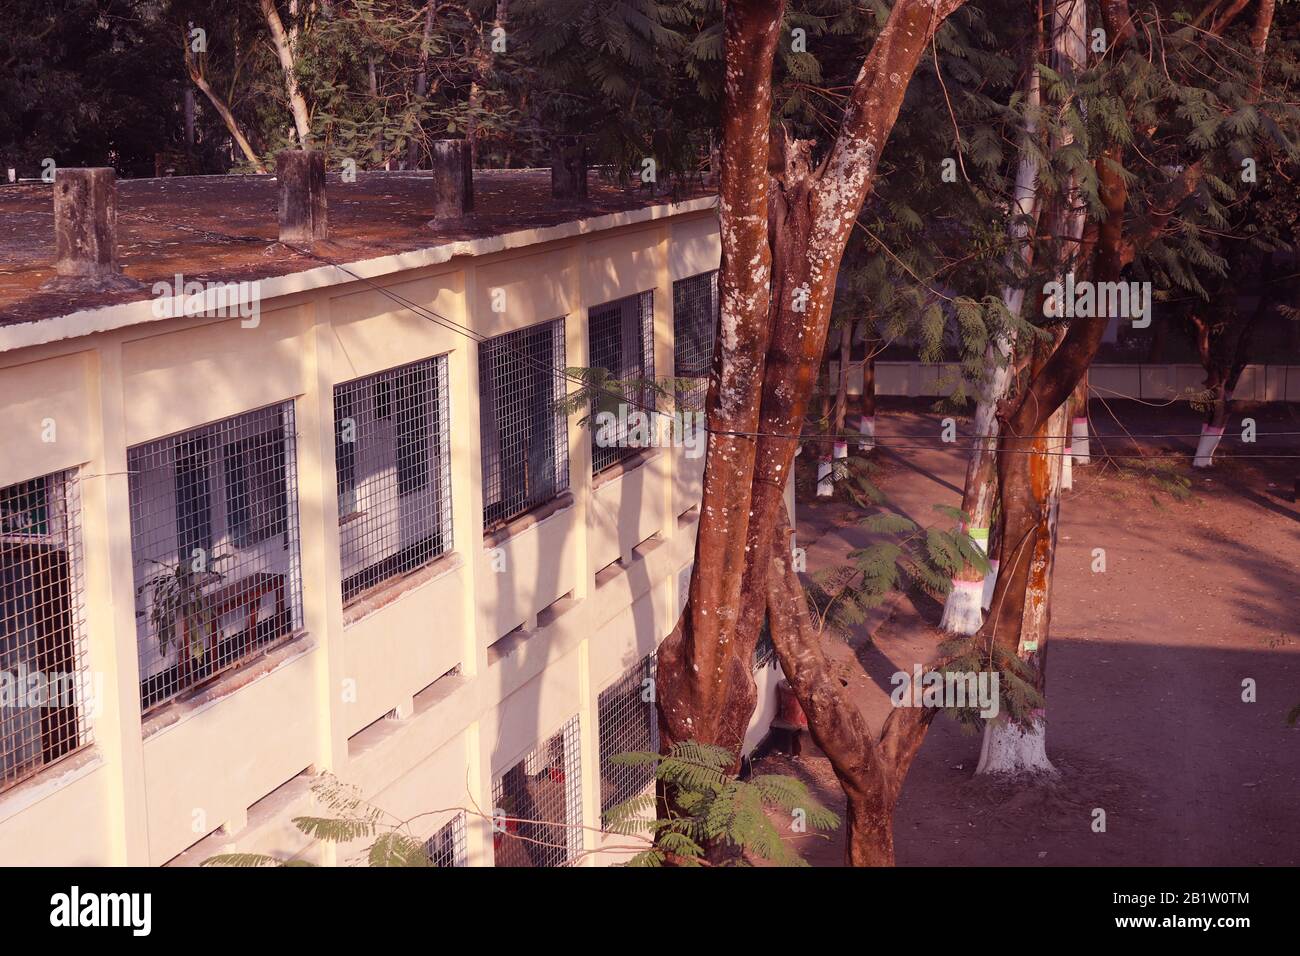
x,y
286,52
963,607
782,242
867,423
870,769
422,87
222,109
706,681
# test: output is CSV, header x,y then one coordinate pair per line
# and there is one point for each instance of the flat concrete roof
x,y
224,228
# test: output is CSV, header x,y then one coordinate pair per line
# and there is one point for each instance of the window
x,y
393,465
214,542
628,722
255,486
695,324
44,684
622,343
524,433
446,848
537,815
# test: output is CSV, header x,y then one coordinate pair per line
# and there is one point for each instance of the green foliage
x,y
349,818
905,556
712,806
180,609
1019,697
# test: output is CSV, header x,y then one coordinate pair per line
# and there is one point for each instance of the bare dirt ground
x,y
1144,700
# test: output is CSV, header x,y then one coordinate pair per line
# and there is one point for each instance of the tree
x,y
785,220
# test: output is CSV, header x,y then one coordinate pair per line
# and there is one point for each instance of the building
x,y
349,534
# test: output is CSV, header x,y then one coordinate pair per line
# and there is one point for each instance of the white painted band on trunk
x,y
1210,438
990,580
1067,470
1080,445
825,487
1013,748
867,429
841,449
961,608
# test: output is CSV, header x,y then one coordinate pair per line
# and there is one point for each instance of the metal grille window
x,y
524,433
44,684
446,848
622,343
214,540
628,722
393,472
538,805
695,324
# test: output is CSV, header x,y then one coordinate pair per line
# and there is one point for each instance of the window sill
x,y
619,469
246,672
381,595
49,780
494,539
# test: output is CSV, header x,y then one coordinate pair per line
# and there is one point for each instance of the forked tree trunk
x,y
1020,608
784,226
782,240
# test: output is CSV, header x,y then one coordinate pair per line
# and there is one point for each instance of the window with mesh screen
x,y
695,324
45,692
214,542
621,337
446,848
525,436
628,722
393,464
537,805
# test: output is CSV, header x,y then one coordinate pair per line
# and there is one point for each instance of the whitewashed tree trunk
x,y
962,611
1080,443
1010,748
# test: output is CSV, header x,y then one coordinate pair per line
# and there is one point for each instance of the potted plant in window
x,y
179,609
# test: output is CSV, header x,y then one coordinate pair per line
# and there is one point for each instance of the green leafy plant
x,y
713,806
903,555
180,610
349,818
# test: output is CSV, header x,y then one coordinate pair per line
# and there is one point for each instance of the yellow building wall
x,y
421,697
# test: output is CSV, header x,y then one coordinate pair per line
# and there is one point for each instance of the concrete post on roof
x,y
453,179
303,214
569,167
85,232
